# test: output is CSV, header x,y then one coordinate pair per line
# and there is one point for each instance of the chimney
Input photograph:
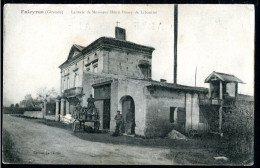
x,y
120,33
163,80
175,42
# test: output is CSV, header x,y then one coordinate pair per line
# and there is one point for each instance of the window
x,y
64,85
95,66
68,83
231,89
172,110
75,80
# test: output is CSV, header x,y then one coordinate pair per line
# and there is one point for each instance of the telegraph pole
x,y
175,42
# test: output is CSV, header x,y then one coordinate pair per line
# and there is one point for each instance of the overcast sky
x,y
212,37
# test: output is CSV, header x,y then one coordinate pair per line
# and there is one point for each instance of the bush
x,y
19,110
238,129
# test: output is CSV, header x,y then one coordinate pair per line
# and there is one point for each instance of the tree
x,y
44,94
12,105
17,105
28,101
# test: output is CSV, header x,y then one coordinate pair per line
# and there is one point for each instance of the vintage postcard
x,y
136,84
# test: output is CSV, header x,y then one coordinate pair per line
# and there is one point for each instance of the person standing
x,y
91,102
119,122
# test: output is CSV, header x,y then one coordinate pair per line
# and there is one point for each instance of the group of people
x,y
121,125
90,111
127,126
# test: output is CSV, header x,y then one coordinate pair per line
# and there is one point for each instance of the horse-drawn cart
x,y
82,115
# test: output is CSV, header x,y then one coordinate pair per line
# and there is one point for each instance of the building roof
x,y
79,47
223,77
153,83
176,86
107,42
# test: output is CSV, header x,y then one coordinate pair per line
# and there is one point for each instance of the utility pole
x,y
175,42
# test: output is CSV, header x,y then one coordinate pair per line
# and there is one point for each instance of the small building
x,y
222,95
118,74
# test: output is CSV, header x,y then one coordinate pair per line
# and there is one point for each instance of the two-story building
x,y
118,74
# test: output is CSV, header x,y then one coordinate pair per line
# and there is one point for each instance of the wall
x,y
123,63
78,69
135,89
89,57
33,114
88,80
193,113
158,111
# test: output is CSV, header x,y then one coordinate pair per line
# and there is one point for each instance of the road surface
x,y
41,144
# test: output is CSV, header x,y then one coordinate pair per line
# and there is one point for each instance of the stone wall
x,y
38,114
158,113
136,90
33,114
123,63
50,117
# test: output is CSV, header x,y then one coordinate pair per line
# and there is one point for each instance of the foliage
x,y
44,94
27,101
19,110
238,128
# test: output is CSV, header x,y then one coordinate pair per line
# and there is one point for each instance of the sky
x,y
210,37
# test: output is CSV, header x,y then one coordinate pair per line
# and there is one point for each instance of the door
x,y
106,114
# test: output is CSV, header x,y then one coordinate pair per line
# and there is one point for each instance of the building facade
x,y
118,74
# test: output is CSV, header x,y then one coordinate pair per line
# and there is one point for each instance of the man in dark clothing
x,y
90,108
119,122
91,102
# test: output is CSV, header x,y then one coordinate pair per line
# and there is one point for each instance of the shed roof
x,y
223,77
176,86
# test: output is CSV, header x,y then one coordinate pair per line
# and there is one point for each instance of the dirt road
x,y
41,144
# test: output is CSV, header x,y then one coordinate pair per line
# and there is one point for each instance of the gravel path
x,y
41,144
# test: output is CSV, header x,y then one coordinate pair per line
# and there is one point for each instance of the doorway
x,y
128,112
102,95
106,114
